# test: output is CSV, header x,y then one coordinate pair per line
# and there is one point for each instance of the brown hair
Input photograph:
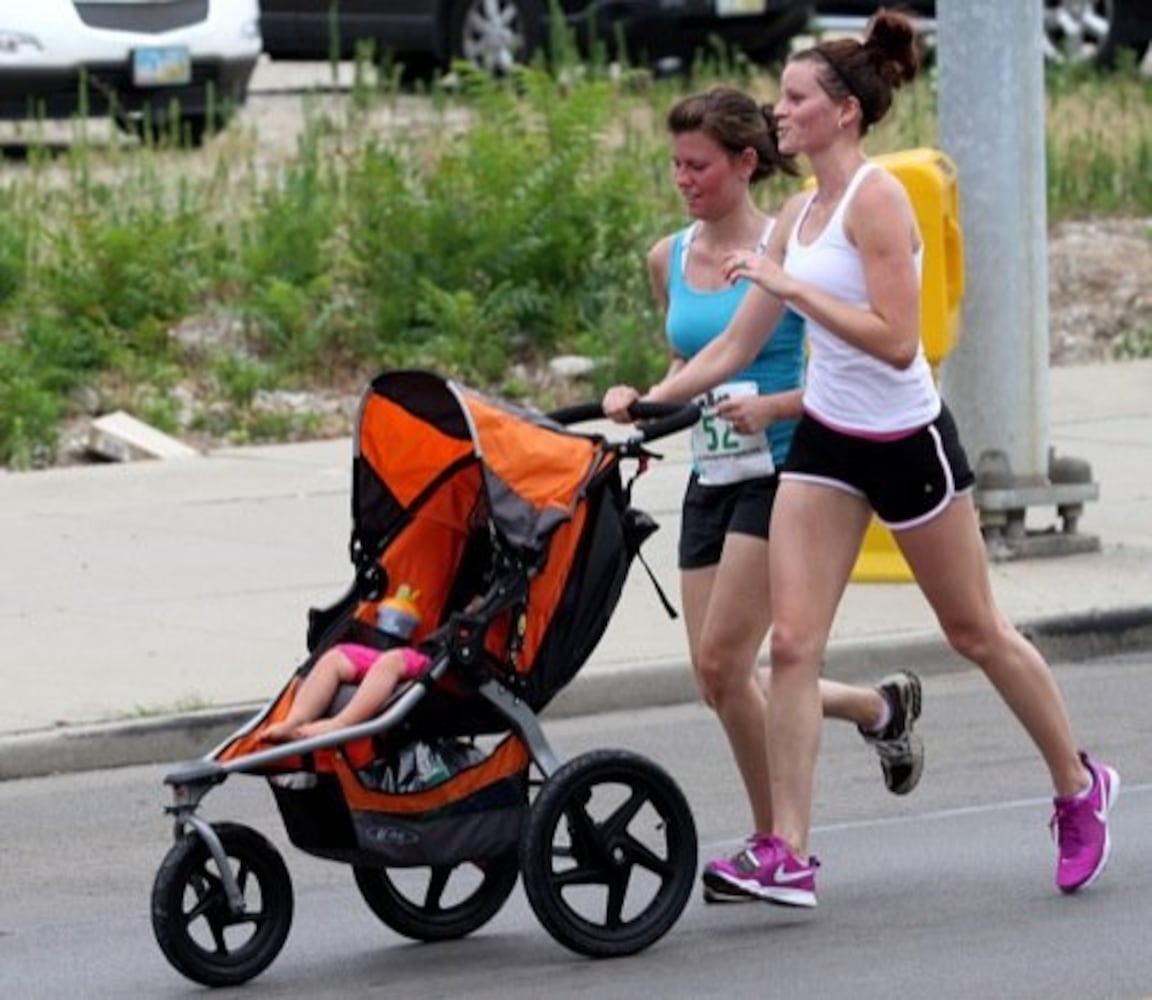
x,y
733,119
869,70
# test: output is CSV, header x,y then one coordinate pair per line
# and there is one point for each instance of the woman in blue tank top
x,y
723,143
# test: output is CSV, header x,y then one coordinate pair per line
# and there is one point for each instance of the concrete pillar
x,y
991,108
992,111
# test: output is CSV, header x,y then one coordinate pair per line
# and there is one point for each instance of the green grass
x,y
506,227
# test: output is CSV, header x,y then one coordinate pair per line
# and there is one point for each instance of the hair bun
x,y
891,44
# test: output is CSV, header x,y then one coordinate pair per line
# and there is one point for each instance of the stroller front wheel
x,y
609,854
201,934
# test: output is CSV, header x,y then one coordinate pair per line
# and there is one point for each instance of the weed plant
x,y
507,227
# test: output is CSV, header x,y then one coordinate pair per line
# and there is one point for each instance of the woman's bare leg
x,y
727,613
313,696
948,558
817,531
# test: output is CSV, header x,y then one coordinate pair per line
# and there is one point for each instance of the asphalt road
x,y
944,894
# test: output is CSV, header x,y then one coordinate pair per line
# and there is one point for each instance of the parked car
x,y
497,34
1074,30
146,62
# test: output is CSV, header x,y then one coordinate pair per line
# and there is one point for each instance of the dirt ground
x,y
1100,289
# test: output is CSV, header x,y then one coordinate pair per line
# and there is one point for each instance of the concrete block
x,y
120,437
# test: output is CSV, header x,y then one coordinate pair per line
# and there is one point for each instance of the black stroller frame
x,y
602,830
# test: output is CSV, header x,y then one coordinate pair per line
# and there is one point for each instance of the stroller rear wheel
x,y
609,854
194,925
442,902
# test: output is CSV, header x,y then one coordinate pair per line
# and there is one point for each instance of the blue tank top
x,y
697,317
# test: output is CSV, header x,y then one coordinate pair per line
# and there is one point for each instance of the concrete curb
x,y
67,749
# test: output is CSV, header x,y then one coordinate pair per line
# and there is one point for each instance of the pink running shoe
x,y
766,869
1080,827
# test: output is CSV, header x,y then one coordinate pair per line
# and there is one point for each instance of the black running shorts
x,y
908,481
711,512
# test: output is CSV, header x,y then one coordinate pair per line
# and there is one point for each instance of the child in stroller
x,y
376,674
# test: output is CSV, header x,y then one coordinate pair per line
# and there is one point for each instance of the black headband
x,y
841,76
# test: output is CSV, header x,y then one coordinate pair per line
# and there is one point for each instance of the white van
x,y
159,65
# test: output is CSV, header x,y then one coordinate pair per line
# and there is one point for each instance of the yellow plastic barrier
x,y
929,176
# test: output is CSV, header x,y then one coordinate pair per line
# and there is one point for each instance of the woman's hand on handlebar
x,y
617,401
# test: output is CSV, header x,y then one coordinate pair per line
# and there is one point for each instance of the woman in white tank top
x,y
874,438
722,144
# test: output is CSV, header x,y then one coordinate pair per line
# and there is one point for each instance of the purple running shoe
x,y
766,869
1080,828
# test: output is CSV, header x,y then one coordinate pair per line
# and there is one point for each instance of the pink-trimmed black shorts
x,y
908,480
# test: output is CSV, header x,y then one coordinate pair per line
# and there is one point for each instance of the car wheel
x,y
1077,31
495,35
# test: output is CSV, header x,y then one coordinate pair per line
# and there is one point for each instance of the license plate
x,y
740,8
161,67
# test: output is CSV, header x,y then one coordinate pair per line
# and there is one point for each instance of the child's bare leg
x,y
313,696
374,691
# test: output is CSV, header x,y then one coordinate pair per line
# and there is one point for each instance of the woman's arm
x,y
882,225
618,398
659,260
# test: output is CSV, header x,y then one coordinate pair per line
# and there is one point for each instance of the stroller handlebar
x,y
662,419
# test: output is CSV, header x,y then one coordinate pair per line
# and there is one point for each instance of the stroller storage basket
x,y
475,812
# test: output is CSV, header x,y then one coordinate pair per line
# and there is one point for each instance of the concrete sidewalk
x,y
149,608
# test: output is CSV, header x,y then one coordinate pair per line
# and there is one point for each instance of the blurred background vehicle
x,y
498,34
162,66
1074,30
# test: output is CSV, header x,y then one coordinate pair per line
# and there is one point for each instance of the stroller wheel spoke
x,y
617,897
642,856
623,816
437,883
218,927
208,891
587,839
578,876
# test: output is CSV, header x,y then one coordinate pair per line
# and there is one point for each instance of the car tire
x,y
1100,31
496,35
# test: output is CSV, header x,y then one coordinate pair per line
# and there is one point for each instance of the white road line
x,y
1126,791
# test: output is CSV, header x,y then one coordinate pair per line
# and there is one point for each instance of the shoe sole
x,y
729,894
1113,794
917,743
752,890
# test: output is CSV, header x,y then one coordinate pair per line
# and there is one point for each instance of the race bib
x,y
720,454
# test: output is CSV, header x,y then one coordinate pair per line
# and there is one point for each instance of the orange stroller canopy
x,y
419,431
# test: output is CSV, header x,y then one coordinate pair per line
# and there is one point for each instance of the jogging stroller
x,y
441,801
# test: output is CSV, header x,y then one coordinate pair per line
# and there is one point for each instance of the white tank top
x,y
846,388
